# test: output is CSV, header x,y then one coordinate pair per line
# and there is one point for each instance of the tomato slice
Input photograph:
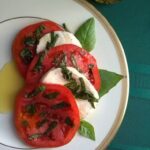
x,y
24,45
69,54
46,115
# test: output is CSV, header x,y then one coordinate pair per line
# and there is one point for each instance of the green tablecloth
x,y
131,21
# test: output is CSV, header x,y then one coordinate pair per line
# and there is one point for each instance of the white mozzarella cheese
x,y
55,76
64,37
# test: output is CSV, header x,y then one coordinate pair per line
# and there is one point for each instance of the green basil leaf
x,y
87,130
86,34
108,81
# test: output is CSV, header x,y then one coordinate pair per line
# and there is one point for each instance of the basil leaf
x,y
87,130
86,34
108,81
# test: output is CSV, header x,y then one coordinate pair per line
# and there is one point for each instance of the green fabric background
x,y
131,21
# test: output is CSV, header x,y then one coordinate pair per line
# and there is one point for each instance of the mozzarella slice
x,y
64,37
55,76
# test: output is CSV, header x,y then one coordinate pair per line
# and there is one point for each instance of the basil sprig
x,y
108,81
87,130
86,34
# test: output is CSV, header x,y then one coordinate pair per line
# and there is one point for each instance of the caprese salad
x,y
63,83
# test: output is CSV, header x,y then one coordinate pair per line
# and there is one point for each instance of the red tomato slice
x,y
24,45
71,55
46,115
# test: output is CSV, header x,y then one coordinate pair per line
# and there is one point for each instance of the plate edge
x,y
120,51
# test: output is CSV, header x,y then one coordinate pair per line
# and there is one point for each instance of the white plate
x,y
108,52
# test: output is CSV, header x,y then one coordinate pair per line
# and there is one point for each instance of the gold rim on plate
x,y
124,69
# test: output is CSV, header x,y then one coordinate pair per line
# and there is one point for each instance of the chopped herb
x,y
34,136
60,60
66,73
73,60
35,92
30,109
39,31
26,55
29,41
79,90
82,84
41,123
56,61
86,95
73,86
25,123
52,125
60,105
51,95
63,61
43,114
69,122
51,44
38,65
65,27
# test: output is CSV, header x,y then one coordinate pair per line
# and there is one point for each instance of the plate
x,y
109,53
